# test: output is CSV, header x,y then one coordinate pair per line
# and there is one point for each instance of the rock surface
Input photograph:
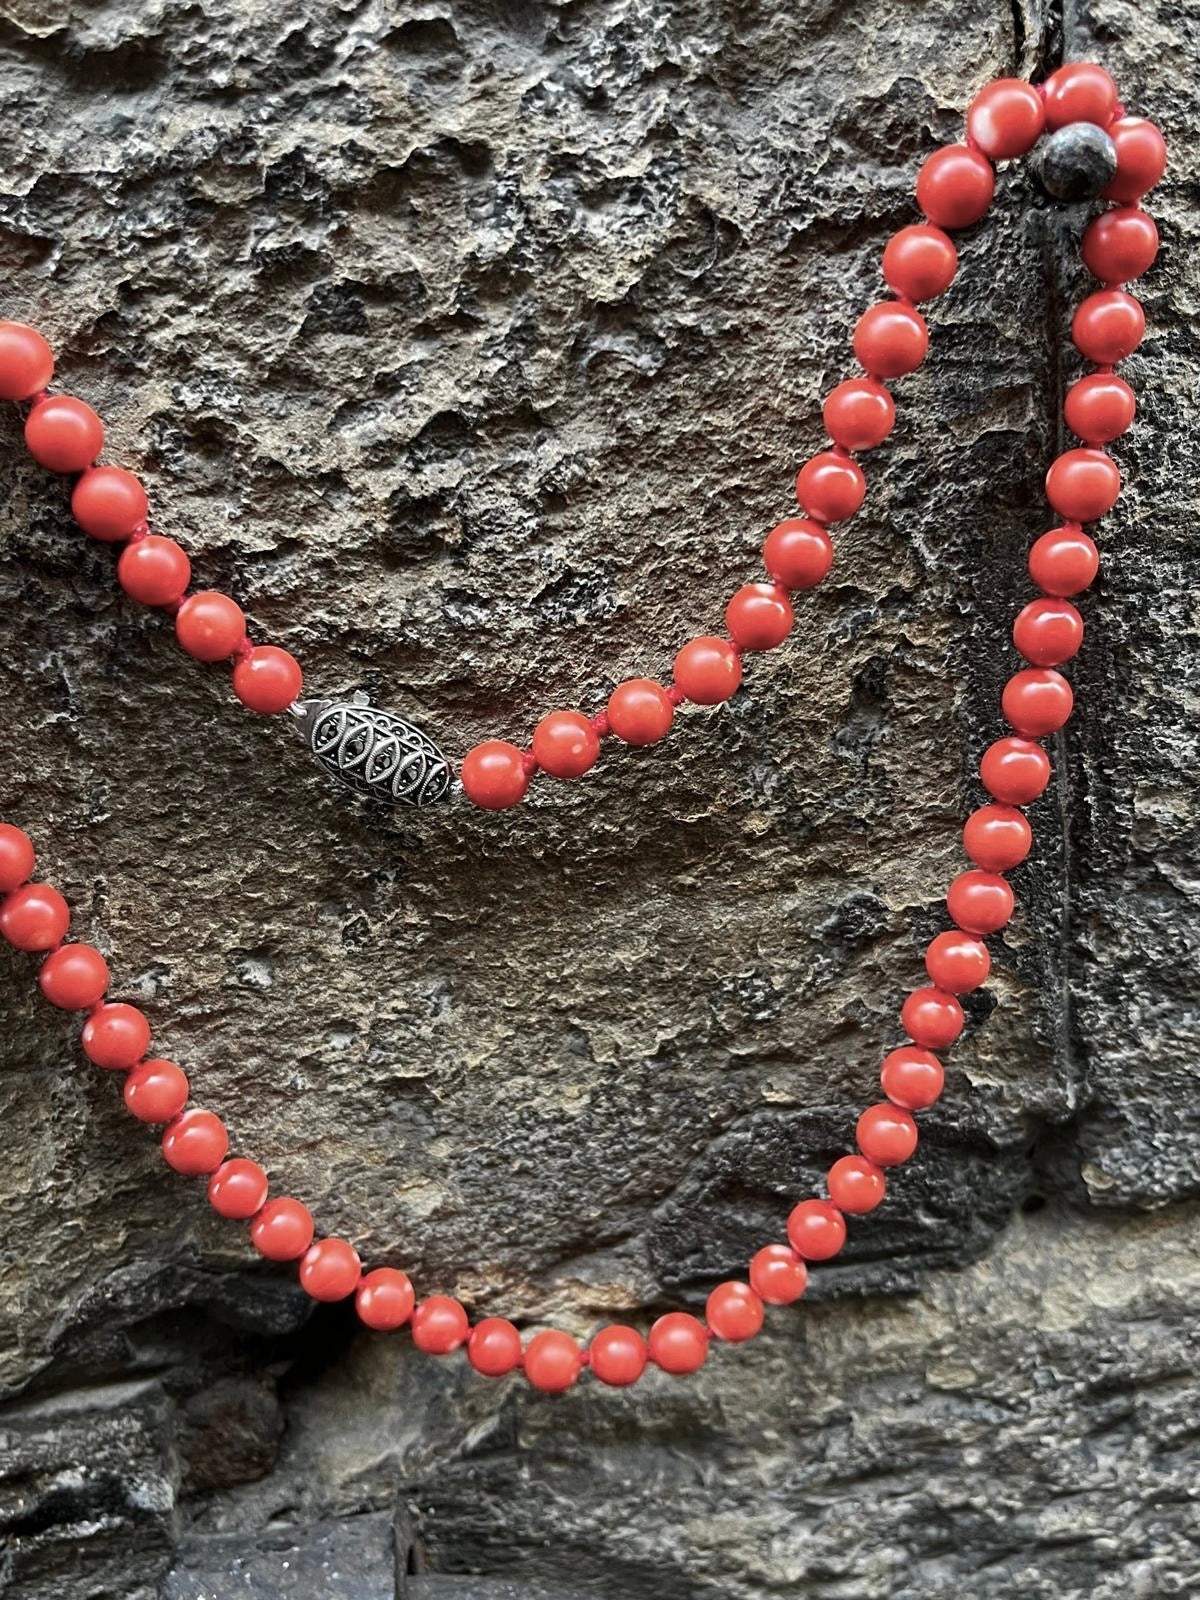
x,y
472,345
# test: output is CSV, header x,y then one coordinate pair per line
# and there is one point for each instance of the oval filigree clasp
x,y
374,751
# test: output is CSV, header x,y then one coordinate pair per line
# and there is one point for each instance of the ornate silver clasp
x,y
374,751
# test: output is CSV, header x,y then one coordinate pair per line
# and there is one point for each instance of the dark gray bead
x,y
1075,162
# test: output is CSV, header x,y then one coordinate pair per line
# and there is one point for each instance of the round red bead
x,y
1063,561
267,680
830,486
618,1355
1006,118
74,977
34,917
194,1143
886,1134
816,1229
911,1077
238,1189
439,1325
778,1275
678,1343
856,1185
282,1230
931,1018
1120,244
707,670
330,1270
16,858
997,838
384,1299
797,553
109,504
759,617
1108,326
979,902
1141,159
26,361
1048,632
154,571
1083,484
210,626
116,1037
1080,91
890,339
640,711
64,434
155,1091
494,1347
494,775
1037,701
565,744
553,1361
1015,771
957,963
734,1312
955,186
1099,408
859,414
920,262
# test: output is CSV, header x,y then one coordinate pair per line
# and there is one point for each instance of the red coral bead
x,y
707,670
830,486
34,917
1037,701
1080,91
997,838
1015,771
798,553
816,1229
931,1018
759,616
267,680
154,571
26,361
890,339
1082,485
330,1270
1064,561
734,1312
919,261
495,775
109,504
238,1189
116,1036
195,1143
957,962
74,977
778,1275
912,1078
859,414
1108,326
494,1347
1006,118
1120,244
618,1355
640,711
1141,159
64,434
886,1134
955,186
1099,408
439,1325
155,1091
282,1230
553,1361
565,744
210,626
16,858
1048,632
856,1185
979,902
384,1299
678,1343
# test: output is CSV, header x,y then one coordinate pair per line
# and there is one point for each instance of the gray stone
x,y
1075,162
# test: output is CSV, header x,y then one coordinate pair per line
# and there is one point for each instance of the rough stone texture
x,y
472,345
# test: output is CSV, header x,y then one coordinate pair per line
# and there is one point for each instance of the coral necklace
x,y
1090,147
